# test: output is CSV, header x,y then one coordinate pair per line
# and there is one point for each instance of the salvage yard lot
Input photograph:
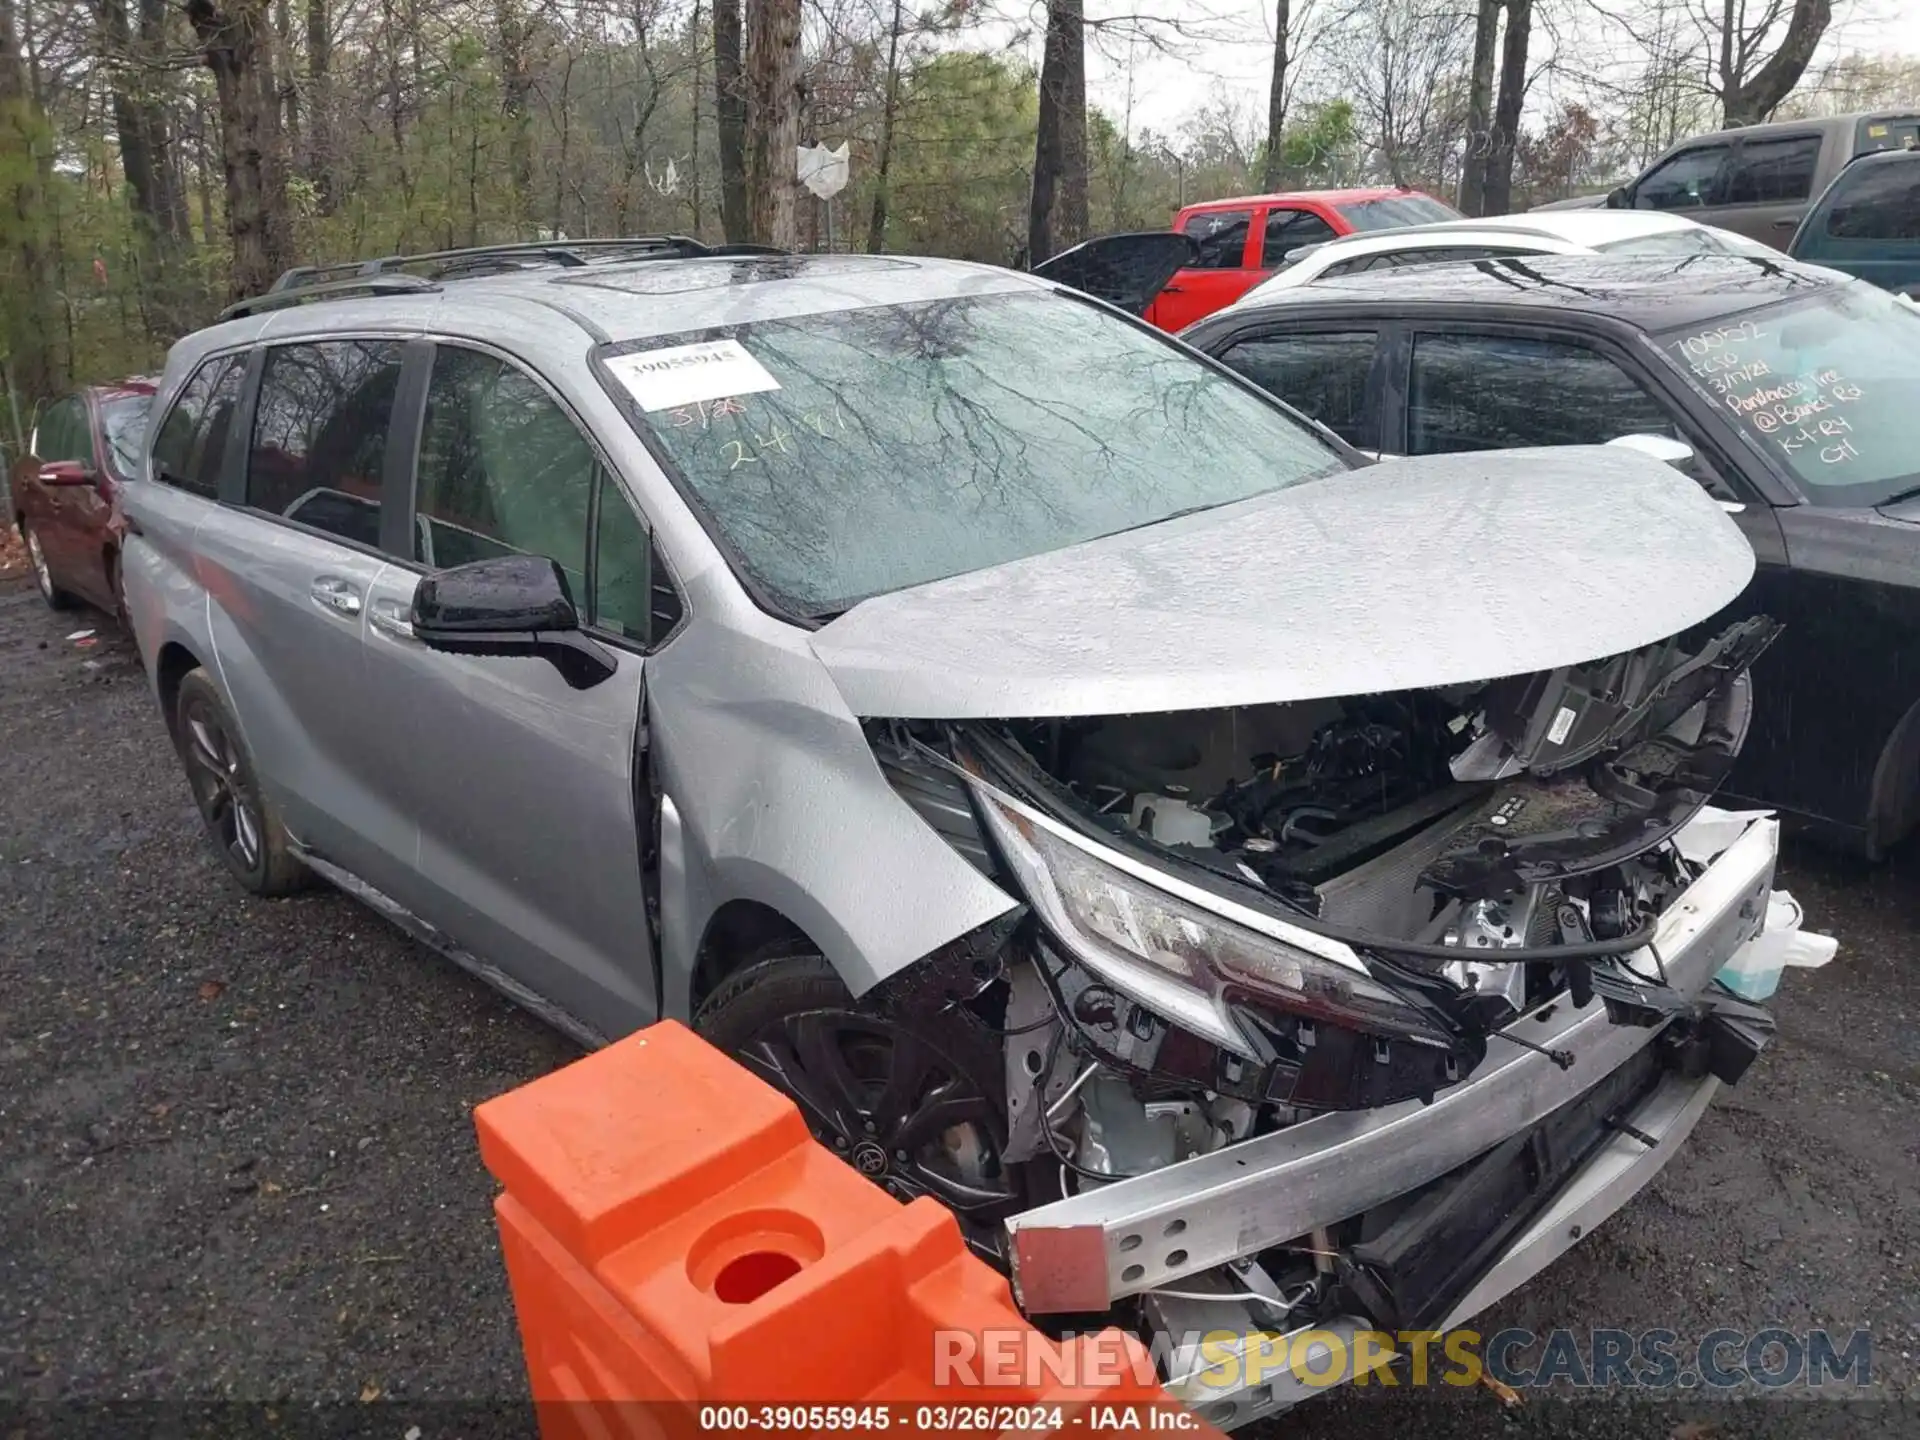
x,y
236,1158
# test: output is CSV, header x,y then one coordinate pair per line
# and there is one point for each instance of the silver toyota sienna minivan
x,y
1253,889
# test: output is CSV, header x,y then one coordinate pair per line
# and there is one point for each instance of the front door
x,y
1767,187
1287,229
61,437
523,789
1223,269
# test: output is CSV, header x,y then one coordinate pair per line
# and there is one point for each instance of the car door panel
x,y
60,438
1767,186
1222,274
521,789
291,572
1845,676
288,633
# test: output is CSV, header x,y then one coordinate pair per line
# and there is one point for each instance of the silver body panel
x,y
1397,577
459,760
1085,1252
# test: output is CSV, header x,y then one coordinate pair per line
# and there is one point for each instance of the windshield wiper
x,y
1911,492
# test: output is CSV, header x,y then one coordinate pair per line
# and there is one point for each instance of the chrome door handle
x,y
330,592
390,617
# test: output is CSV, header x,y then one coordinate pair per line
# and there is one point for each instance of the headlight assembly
x,y
1179,959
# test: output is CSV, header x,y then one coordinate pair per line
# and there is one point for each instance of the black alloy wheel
x,y
915,1114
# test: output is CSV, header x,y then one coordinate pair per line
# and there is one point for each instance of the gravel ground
x,y
238,1162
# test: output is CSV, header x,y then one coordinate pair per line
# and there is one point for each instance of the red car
x,y
65,493
1243,240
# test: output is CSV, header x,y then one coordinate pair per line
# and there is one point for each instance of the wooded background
x,y
161,157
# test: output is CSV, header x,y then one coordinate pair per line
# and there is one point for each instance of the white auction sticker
x,y
683,374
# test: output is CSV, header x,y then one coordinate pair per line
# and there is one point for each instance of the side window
x,y
504,470
1770,172
1323,376
191,444
62,432
320,435
1485,392
1288,230
1686,181
632,594
1222,238
1877,203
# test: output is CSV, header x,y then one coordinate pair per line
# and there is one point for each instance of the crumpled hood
x,y
1411,573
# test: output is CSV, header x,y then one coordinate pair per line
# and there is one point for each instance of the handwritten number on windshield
x,y
1795,411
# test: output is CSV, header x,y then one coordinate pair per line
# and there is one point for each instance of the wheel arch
x,y
739,932
172,665
1893,806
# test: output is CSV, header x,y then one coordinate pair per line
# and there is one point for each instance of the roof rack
x,y
478,257
388,274
278,299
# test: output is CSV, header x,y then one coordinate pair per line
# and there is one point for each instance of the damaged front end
x,y
1319,1007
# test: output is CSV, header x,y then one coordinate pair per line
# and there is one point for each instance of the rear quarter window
x,y
191,443
1880,201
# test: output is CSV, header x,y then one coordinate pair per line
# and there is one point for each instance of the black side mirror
x,y
509,605
1619,198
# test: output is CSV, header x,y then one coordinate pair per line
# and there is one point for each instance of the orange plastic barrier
x,y
677,1242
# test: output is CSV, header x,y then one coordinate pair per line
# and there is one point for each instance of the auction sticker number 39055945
x,y
686,374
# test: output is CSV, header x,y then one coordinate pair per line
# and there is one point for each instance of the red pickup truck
x,y
1244,239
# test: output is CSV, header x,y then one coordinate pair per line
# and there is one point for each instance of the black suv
x,y
1797,393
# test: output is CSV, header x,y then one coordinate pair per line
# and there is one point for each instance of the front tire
x,y
915,1102
240,820
56,598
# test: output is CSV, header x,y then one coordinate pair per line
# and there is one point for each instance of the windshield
x,y
850,453
1392,211
1825,385
125,421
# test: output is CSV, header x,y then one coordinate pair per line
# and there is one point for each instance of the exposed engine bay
x,y
1362,889
1237,920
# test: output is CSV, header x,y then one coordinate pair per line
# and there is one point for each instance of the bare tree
x,y
773,75
1057,214
1473,165
317,164
730,118
1751,88
32,364
1277,95
889,117
235,44
1402,64
1498,197
513,35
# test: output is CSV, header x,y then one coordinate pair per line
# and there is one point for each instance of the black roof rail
x,y
278,299
388,274
481,258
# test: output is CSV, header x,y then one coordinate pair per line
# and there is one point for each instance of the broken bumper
x,y
1252,1375
1086,1252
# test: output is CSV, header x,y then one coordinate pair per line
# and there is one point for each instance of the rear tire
x,y
56,598
916,1102
242,823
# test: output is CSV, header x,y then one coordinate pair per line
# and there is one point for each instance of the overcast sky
x,y
1232,54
